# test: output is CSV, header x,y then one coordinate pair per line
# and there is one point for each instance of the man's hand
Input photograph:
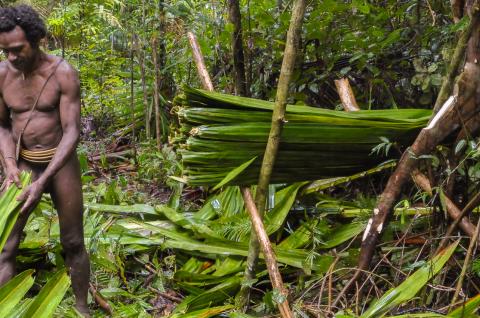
x,y
12,176
31,196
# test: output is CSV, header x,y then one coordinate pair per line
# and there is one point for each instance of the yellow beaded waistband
x,y
40,156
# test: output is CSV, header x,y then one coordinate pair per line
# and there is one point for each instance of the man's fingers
x,y
17,181
22,196
26,206
4,185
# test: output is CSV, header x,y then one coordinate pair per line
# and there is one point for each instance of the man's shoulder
x,y
3,69
3,72
66,74
63,67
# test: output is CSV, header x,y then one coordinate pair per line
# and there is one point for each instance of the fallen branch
x,y
101,302
460,219
422,181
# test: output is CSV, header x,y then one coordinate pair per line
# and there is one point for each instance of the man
x,y
39,132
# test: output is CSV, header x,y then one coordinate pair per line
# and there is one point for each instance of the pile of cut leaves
x,y
219,132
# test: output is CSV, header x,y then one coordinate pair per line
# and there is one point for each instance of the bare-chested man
x,y
49,131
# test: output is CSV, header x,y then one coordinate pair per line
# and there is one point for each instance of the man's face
x,y
16,48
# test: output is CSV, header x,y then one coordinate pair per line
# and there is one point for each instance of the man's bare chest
x,y
21,94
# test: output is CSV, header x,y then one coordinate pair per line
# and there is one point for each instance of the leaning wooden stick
x,y
453,211
456,109
278,120
346,95
200,63
257,223
269,254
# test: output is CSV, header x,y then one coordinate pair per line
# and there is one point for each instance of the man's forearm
x,y
65,149
7,146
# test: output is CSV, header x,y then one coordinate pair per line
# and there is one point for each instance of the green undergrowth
x,y
186,259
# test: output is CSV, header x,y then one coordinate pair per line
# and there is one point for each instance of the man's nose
x,y
12,57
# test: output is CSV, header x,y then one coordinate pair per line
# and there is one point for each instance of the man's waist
x,y
38,156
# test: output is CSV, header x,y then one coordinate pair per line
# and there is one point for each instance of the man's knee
x,y
72,244
8,254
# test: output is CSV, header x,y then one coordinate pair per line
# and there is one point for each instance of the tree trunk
x,y
237,48
146,107
278,120
156,92
455,63
132,94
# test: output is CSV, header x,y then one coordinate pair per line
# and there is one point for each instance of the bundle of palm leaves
x,y
219,132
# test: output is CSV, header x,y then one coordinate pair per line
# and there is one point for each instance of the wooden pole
x,y
346,95
199,61
255,218
267,250
278,120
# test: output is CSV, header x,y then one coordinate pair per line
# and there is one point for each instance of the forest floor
x,y
160,249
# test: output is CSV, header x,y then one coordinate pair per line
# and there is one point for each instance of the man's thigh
x,y
66,192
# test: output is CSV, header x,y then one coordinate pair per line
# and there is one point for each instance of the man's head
x,y
21,30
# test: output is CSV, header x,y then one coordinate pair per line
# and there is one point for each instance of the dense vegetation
x,y
162,246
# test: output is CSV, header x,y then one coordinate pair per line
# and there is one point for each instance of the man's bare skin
x,y
55,123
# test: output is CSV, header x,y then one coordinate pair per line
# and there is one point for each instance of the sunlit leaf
x,y
13,291
49,297
411,285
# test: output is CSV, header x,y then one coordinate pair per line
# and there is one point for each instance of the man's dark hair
x,y
25,17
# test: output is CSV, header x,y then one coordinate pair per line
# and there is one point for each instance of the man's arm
x,y
7,146
69,109
69,117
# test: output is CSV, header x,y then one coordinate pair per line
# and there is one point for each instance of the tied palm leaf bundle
x,y
219,132
10,208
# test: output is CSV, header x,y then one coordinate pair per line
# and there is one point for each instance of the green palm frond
x,y
218,133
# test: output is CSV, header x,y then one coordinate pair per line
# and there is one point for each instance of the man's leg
x,y
68,200
9,253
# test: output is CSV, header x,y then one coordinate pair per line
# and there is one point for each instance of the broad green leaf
x,y
234,173
239,315
466,310
228,202
13,291
411,285
300,237
421,315
212,296
10,208
187,221
49,297
19,311
342,234
204,313
121,209
292,257
284,200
